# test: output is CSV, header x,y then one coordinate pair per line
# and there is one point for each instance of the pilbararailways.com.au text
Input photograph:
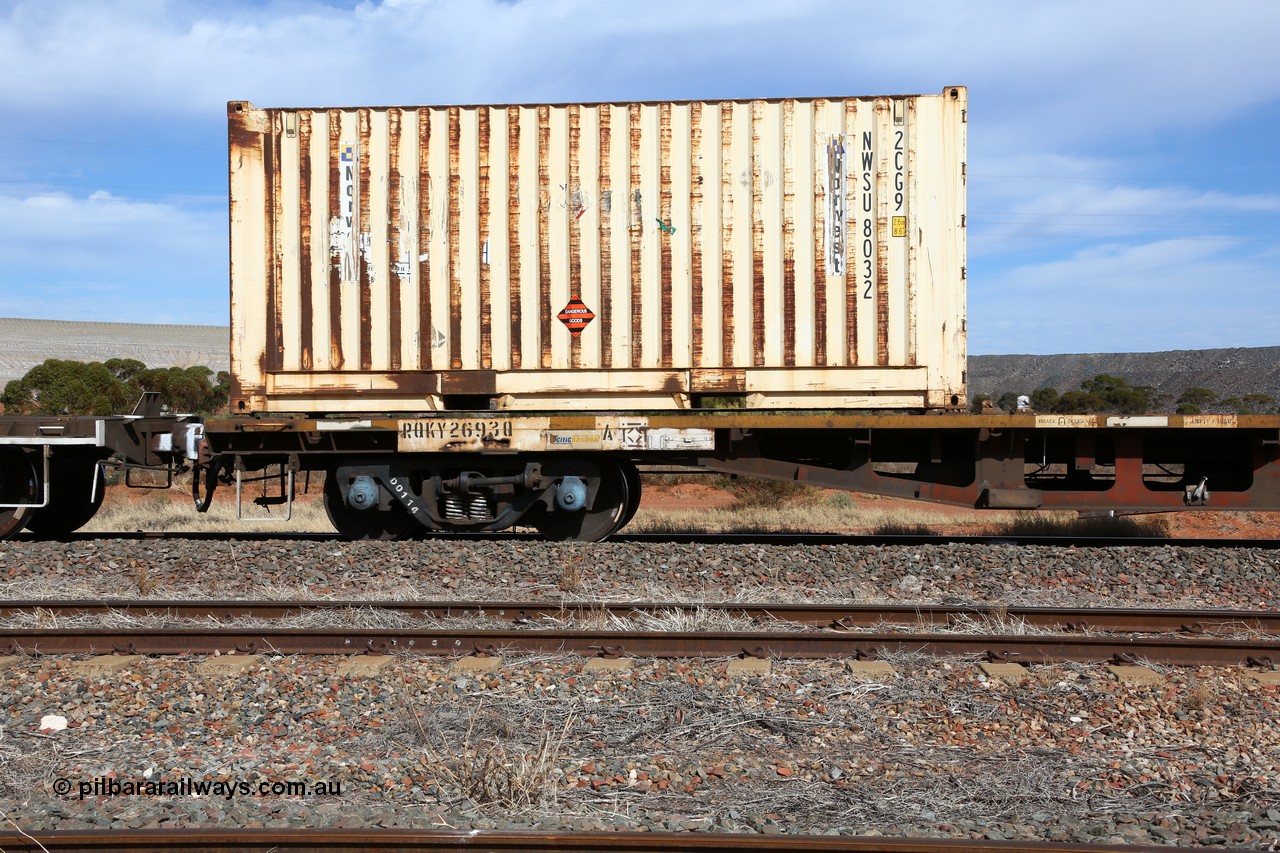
x,y
109,786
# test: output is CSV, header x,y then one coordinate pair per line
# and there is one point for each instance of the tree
x,y
1194,399
1043,399
125,369
976,406
59,387
1115,394
1255,404
185,389
1008,401
1077,403
1197,396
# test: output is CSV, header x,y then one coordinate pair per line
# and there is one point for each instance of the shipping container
x,y
798,253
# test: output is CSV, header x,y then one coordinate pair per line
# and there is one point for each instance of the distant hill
x,y
26,343
1229,372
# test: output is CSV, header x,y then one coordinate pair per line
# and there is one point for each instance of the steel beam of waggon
x,y
971,460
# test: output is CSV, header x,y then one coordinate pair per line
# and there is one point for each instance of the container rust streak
x,y
482,262
909,169
274,217
576,206
854,192
635,224
726,233
665,320
695,228
823,159
424,240
335,255
306,311
394,235
362,246
513,228
882,244
605,206
455,238
788,233
544,236
757,237
882,291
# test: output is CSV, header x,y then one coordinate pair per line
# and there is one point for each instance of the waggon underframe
x,y
1024,461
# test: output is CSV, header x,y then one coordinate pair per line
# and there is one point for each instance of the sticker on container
x,y
1066,421
576,315
836,212
899,226
343,228
574,439
668,438
1213,421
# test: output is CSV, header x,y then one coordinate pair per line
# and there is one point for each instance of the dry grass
x,y
1066,524
819,513
171,510
760,506
697,619
487,758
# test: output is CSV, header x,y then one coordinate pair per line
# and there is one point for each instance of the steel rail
x,y
910,539
837,616
222,840
1200,651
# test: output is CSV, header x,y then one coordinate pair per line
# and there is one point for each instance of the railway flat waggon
x,y
470,318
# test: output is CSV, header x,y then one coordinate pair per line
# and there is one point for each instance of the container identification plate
x,y
499,434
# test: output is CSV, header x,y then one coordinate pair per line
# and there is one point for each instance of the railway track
x,y
368,841
760,538
1198,646
834,616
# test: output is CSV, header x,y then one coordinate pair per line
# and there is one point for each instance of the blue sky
x,y
1124,157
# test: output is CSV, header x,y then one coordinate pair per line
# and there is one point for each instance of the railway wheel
x,y
607,513
17,485
372,523
74,497
633,493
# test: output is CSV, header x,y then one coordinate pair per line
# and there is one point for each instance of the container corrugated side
x,y
803,253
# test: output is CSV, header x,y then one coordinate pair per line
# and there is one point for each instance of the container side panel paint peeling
x,y
793,253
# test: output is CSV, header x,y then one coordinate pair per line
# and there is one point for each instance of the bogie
x,y
582,498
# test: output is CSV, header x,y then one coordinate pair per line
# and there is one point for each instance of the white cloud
x,y
112,259
1057,93
1092,210
1168,294
1058,71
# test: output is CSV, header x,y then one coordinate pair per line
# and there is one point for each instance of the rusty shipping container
x,y
798,253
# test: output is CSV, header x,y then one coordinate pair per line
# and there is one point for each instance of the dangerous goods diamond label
x,y
576,315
